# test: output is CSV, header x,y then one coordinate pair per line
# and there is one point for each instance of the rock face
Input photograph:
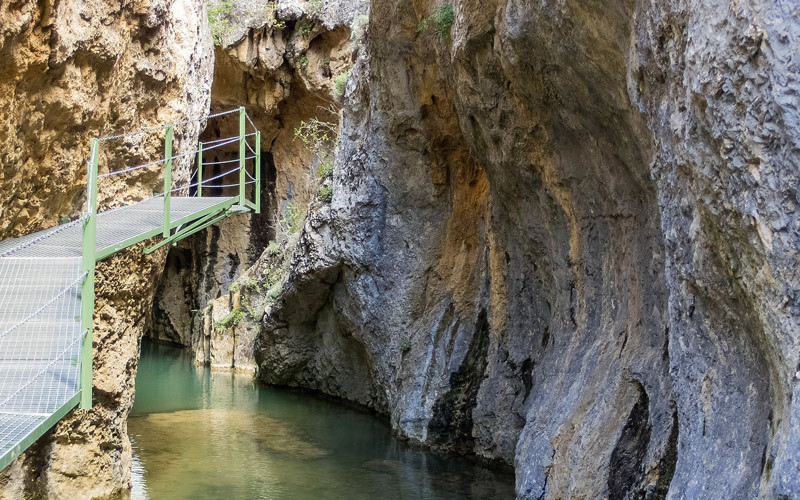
x,y
71,71
280,60
564,236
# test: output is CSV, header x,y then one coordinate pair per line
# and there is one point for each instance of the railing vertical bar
x,y
200,170
88,264
242,154
258,172
167,179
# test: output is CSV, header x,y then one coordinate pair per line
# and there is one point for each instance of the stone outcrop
x,y
70,71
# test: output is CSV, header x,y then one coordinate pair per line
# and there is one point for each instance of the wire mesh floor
x,y
40,308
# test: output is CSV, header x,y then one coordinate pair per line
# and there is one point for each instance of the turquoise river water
x,y
202,435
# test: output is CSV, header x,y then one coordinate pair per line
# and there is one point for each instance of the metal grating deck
x,y
40,311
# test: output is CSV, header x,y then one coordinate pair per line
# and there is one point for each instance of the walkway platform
x,y
47,278
40,359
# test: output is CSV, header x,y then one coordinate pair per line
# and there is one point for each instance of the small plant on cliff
x,y
219,19
315,133
340,83
272,17
231,320
294,219
305,27
318,137
325,168
314,7
443,19
405,345
304,61
274,294
273,248
325,194
359,30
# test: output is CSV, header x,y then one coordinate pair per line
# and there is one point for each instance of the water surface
x,y
200,435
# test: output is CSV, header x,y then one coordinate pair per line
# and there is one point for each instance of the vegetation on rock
x,y
441,19
220,14
340,83
229,321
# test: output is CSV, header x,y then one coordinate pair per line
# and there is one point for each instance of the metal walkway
x,y
47,281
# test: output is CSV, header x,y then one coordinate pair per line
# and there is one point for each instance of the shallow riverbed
x,y
202,435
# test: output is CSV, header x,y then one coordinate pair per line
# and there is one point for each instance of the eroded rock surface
x,y
564,236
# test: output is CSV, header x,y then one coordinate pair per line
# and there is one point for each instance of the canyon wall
x,y
71,71
564,237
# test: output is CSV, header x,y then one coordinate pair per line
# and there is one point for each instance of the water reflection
x,y
202,435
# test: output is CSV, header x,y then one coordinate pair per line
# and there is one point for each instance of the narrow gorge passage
x,y
502,248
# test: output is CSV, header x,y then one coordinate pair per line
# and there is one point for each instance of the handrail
x,y
88,264
89,221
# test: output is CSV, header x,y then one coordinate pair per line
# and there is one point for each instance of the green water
x,y
202,435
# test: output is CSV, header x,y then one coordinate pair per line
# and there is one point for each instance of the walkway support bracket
x,y
182,233
88,264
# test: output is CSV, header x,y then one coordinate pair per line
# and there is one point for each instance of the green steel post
x,y
242,152
200,170
258,172
167,178
88,265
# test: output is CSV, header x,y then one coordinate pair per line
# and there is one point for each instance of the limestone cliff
x,y
70,71
564,236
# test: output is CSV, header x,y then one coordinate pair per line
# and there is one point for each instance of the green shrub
x,y
314,7
443,19
405,345
325,194
305,27
326,61
315,134
304,61
275,293
273,248
325,168
340,83
272,18
231,320
219,19
295,218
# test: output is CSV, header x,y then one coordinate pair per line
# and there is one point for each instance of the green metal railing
x,y
183,229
